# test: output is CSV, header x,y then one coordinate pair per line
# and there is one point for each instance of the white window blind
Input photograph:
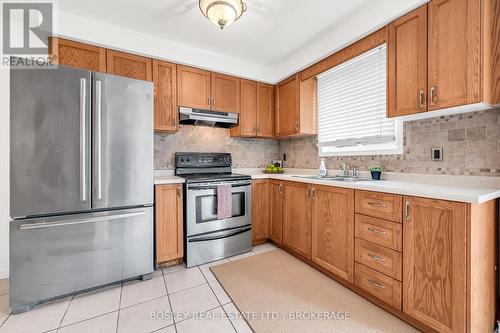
x,y
352,108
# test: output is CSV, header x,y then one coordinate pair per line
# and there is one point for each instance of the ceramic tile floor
x,y
194,293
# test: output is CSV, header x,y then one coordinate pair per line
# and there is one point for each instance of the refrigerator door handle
x,y
83,140
78,221
98,96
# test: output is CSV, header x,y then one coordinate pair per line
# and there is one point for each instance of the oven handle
x,y
209,238
213,187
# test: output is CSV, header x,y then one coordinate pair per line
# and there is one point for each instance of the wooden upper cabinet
x,y
407,64
193,87
297,207
435,263
333,230
265,110
225,93
165,110
288,104
260,210
276,211
454,53
247,126
296,103
79,55
129,65
168,222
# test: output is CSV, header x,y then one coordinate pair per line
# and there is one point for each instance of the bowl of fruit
x,y
274,168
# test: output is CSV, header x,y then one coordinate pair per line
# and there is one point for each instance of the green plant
x,y
375,168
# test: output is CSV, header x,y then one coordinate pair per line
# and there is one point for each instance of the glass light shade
x,y
222,12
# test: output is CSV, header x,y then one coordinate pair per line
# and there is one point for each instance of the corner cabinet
x,y
276,215
296,107
165,109
260,211
129,65
256,110
169,223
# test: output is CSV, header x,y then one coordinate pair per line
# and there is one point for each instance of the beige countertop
x,y
469,189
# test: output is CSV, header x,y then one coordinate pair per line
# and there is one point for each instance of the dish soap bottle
x,y
322,168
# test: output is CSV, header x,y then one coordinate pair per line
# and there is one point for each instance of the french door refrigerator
x,y
81,182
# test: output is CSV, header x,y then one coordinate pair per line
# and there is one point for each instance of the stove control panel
x,y
202,160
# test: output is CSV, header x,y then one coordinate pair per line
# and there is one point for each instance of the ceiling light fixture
x,y
222,12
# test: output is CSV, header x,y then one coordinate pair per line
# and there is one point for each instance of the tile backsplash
x,y
470,141
246,153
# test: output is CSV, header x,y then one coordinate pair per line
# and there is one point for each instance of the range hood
x,y
188,116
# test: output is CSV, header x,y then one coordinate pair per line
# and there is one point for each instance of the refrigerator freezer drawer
x,y
57,256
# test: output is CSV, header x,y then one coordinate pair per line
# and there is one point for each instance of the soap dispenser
x,y
322,168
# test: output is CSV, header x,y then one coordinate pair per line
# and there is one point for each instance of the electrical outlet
x,y
437,154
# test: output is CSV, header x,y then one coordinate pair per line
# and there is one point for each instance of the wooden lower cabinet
x,y
297,209
435,263
169,223
276,214
439,275
333,230
260,210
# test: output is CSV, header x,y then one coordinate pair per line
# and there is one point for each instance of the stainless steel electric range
x,y
207,237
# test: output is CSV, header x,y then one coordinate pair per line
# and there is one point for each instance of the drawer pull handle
x,y
377,204
377,258
376,284
376,231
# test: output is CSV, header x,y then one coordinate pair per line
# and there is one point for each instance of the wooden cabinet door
x,y
287,114
78,55
434,263
276,214
193,87
407,64
260,210
333,230
454,53
225,93
168,222
265,110
248,111
129,65
297,218
165,81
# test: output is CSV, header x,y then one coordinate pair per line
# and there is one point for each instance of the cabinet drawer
x,y
383,205
378,285
385,233
379,258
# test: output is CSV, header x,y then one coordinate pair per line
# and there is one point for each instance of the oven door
x,y
201,207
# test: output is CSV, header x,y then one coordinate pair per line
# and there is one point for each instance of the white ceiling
x,y
272,40
266,34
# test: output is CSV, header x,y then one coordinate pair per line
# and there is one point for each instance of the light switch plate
x,y
437,154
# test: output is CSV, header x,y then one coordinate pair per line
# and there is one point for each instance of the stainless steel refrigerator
x,y
81,182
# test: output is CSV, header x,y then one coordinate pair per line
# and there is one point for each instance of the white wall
x,y
4,173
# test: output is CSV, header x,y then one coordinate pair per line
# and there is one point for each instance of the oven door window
x,y
206,207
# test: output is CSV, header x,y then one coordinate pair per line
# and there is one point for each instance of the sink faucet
x,y
345,168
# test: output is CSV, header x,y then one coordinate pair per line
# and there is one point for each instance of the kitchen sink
x,y
335,178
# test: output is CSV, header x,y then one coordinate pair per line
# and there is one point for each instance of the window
x,y
352,109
